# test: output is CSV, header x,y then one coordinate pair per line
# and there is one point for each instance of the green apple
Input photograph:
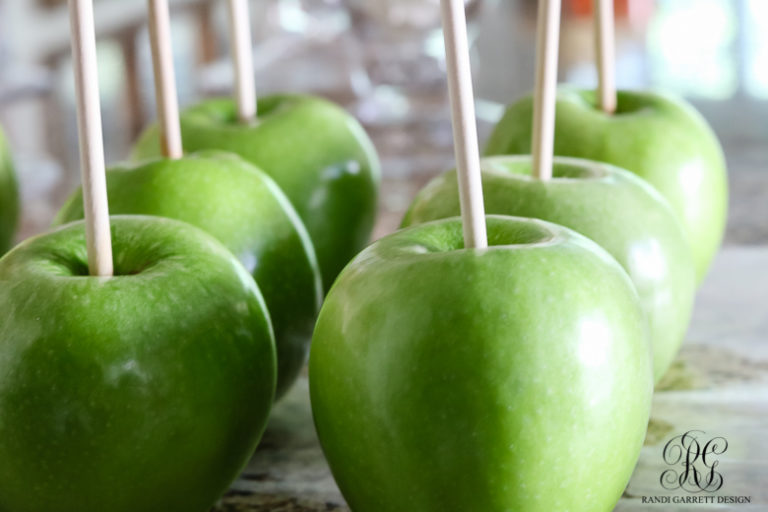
x,y
145,391
245,210
611,206
512,378
656,136
9,197
319,155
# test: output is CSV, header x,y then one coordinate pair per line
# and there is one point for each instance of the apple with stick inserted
x,y
148,390
317,153
137,360
460,379
472,363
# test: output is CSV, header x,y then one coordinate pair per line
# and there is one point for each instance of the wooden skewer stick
x,y
165,79
464,123
604,48
548,39
242,57
97,231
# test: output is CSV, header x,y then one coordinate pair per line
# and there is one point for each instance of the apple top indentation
x,y
564,168
446,235
223,111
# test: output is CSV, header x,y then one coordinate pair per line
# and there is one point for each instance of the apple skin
x,y
9,197
513,378
319,155
245,210
659,137
146,391
612,207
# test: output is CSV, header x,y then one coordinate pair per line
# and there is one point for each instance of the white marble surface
x,y
719,385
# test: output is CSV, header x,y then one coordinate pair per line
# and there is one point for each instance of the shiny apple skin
x,y
659,137
316,152
9,197
145,392
513,378
611,206
245,210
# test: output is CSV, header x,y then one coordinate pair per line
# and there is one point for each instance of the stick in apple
x,y
165,79
464,123
242,58
98,236
548,37
604,49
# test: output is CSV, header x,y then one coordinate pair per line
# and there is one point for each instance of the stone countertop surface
x,y
718,385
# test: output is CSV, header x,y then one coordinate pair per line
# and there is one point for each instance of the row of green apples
x,y
149,390
520,377
377,400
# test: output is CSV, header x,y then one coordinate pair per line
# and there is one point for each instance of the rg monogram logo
x,y
696,461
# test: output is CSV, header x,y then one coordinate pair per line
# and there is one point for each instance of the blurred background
x,y
382,60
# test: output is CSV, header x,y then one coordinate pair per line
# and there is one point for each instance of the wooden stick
x,y
548,39
242,57
464,124
165,79
604,48
97,231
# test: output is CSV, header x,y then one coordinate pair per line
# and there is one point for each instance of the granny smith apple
x,y
446,379
9,197
245,210
657,136
319,155
145,391
613,207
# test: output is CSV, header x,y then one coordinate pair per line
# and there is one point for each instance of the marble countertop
x,y
719,385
